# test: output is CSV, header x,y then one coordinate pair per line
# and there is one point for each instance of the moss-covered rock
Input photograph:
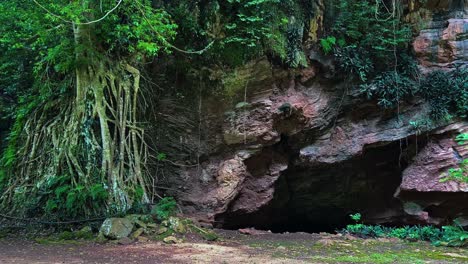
x,y
176,224
116,228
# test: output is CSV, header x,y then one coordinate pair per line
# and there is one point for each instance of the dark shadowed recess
x,y
321,198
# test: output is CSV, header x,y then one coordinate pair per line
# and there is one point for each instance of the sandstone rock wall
x,y
297,145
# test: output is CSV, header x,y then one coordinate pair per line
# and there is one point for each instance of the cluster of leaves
x,y
453,236
390,88
367,37
370,42
63,199
258,27
243,29
19,46
329,43
446,92
459,174
38,62
138,30
165,208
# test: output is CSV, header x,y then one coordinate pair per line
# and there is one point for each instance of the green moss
x,y
338,250
378,258
235,82
160,237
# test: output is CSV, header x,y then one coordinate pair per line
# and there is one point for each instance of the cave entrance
x,y
321,198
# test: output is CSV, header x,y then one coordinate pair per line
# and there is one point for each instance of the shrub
x,y
352,60
453,236
327,44
459,174
64,199
446,92
165,208
389,88
368,36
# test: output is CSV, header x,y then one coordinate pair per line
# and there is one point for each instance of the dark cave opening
x,y
321,198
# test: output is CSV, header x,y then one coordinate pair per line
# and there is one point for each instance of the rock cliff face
x,y
302,151
443,42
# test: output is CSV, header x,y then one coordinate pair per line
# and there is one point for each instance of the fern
x,y
98,192
61,190
327,44
462,138
165,208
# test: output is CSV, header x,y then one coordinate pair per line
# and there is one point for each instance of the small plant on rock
x,y
450,236
459,174
165,208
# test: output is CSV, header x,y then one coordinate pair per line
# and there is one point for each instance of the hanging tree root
x,y
94,138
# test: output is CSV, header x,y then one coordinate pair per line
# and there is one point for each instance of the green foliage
x,y
446,236
18,30
459,174
243,30
366,39
447,93
356,217
295,56
257,27
462,138
370,26
329,43
40,56
144,32
64,200
250,25
165,208
390,88
453,236
161,156
354,61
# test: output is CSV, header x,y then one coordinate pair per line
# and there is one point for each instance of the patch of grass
x,y
405,256
339,250
378,258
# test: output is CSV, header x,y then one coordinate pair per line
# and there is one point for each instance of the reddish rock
x,y
438,201
432,164
303,147
443,45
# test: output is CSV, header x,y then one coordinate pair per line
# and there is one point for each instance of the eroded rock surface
x,y
302,149
424,184
443,41
432,163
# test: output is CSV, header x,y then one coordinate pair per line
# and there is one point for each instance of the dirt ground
x,y
232,247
